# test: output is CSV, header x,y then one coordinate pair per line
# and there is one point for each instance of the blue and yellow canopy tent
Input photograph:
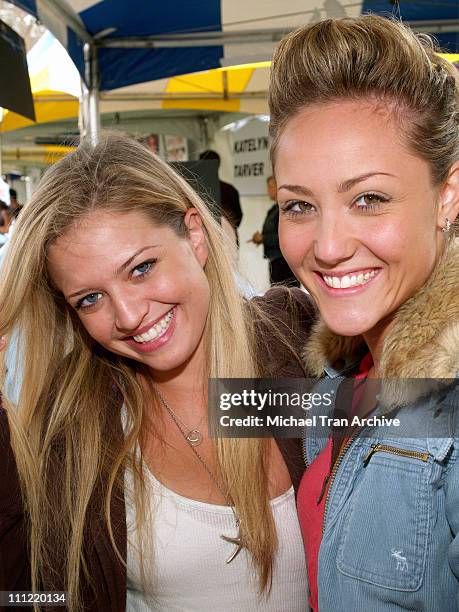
x,y
198,54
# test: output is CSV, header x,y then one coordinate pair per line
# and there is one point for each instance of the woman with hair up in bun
x,y
364,126
111,489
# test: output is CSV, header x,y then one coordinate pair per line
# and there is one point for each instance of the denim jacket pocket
x,y
385,522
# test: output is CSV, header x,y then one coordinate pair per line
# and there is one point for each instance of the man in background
x,y
15,207
279,272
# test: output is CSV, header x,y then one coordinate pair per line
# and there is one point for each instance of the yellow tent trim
x,y
65,107
223,82
38,154
232,106
213,81
451,57
253,65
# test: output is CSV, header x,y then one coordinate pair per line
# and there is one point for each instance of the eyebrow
x,y
346,185
120,270
342,187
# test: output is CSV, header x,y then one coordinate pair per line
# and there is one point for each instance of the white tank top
x,y
185,565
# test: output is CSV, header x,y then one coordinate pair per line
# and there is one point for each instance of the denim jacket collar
x,y
432,423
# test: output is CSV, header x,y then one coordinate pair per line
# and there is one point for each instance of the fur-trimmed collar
x,y
423,342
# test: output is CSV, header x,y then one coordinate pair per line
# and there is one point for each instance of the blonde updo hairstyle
x,y
72,389
375,58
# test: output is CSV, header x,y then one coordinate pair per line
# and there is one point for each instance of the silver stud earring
x,y
447,226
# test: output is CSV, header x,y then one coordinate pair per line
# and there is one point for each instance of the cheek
x,y
96,325
388,241
295,240
181,283
409,244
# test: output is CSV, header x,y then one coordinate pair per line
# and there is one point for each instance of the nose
x,y
334,241
130,312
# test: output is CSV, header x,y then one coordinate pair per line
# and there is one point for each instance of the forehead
x,y
89,235
92,249
347,136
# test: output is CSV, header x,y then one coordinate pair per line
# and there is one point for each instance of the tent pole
x,y
90,105
83,111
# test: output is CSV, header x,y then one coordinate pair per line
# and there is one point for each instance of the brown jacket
x,y
108,574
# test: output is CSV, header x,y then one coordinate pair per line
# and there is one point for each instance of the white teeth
x,y
348,281
345,282
156,330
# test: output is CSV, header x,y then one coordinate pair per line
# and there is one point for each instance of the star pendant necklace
x,y
193,438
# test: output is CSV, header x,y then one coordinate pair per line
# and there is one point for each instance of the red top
x,y
312,495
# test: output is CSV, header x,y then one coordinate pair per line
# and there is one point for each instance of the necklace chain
x,y
177,421
194,436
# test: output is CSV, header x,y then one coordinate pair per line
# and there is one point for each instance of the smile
x,y
349,280
156,330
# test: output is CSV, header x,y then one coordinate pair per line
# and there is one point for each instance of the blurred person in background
x,y
279,271
14,204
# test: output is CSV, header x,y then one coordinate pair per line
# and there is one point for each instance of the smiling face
x,y
360,221
138,289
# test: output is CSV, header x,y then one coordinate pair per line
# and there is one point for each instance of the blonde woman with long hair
x,y
110,487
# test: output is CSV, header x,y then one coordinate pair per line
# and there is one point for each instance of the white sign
x,y
250,148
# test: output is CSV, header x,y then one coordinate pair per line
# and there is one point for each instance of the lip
x,y
145,328
156,343
348,291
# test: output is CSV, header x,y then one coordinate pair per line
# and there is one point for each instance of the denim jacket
x,y
391,526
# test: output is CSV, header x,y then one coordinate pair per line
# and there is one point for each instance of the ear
x,y
196,235
449,197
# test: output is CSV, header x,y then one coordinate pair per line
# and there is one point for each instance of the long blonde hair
x,y
64,436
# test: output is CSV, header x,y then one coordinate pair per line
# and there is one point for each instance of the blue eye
x,y
297,207
143,268
88,300
370,201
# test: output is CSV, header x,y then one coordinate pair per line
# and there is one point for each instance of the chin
x,y
355,325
